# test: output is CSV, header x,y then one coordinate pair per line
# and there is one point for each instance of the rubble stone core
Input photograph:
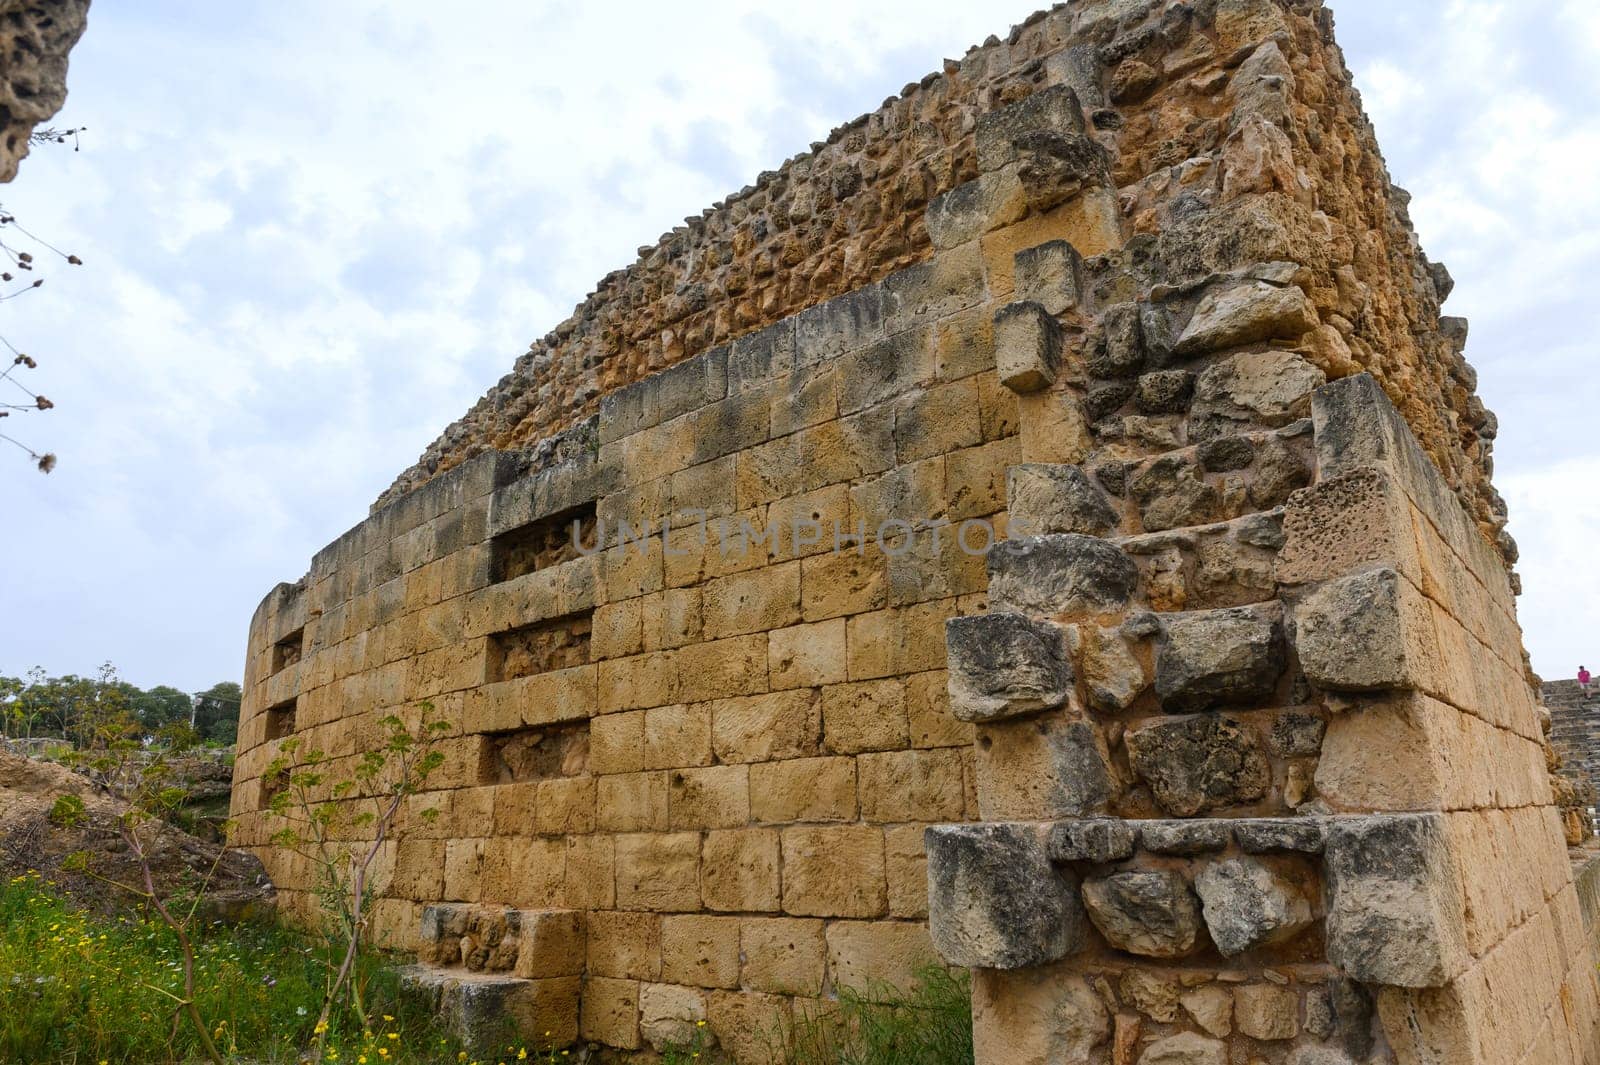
x,y
1061,545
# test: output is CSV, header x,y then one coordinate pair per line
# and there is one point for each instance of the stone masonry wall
x,y
1223,750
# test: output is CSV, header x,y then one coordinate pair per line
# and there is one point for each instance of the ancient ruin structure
x,y
35,37
1224,752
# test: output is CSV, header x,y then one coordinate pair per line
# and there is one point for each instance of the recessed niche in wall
x,y
287,651
534,754
547,542
280,719
557,643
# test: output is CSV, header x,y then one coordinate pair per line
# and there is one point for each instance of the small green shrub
x,y
68,811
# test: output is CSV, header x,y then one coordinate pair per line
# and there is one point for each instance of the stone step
x,y
488,1011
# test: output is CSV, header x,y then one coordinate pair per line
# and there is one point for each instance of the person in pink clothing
x,y
1583,680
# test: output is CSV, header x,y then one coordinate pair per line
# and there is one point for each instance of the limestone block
x,y
1054,427
1232,656
1005,665
1172,492
1036,1016
928,712
1231,316
950,282
865,716
804,789
610,1012
1062,573
721,669
905,867
748,1023
866,953
591,877
1096,840
1393,912
755,359
668,1014
1052,498
1050,275
1266,1012
825,331
1263,388
552,943
783,955
739,871
1368,632
1046,768
1263,835
937,420
994,899
1211,1008
912,785
1052,110
1185,1048
761,728
631,802
834,871
659,871
1027,347
1248,904
1119,353
1109,667
708,797
700,951
969,210
1153,914
624,945
676,736
1200,763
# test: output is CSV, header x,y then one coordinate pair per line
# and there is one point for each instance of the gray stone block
x,y
760,358
1393,912
1200,763
1027,346
1003,665
1097,839
1050,275
1183,838
1120,352
1062,573
843,324
1351,634
1248,905
1048,498
1055,109
994,899
1266,834
1209,658
1234,315
1150,913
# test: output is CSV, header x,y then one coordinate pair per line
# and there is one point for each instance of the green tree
x,y
216,712
159,707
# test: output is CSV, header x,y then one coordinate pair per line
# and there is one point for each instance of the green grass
x,y
78,989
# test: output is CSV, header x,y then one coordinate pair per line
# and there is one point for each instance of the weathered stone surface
x,y
1351,633
1317,1055
1053,110
1217,657
1248,905
1043,768
1183,837
1185,1048
1201,763
1149,913
1050,498
1050,275
1252,389
1039,1016
35,39
1393,915
1266,1012
1098,839
994,899
1211,1008
1152,992
1112,674
1120,351
1165,392
1056,167
1296,733
1172,492
1003,665
1063,573
1262,835
1027,346
1232,316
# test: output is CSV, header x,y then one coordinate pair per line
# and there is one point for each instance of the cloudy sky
x,y
314,233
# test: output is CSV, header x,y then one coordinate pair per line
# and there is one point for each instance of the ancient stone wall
x,y
35,37
1223,750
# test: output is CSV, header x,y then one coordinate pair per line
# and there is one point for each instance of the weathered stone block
x,y
1172,492
1362,633
1094,840
1185,1048
1266,1012
669,1015
1003,665
1064,573
1055,109
552,943
1232,316
1109,667
1194,764
1045,768
1219,657
1265,388
1153,914
701,951
739,870
1027,347
1039,1016
834,871
1393,912
862,954
994,899
1247,905
1052,498
1263,835
783,955
1050,275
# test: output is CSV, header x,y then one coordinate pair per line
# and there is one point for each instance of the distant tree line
x,y
83,711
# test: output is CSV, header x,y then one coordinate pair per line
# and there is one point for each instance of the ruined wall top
x,y
1160,98
35,37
